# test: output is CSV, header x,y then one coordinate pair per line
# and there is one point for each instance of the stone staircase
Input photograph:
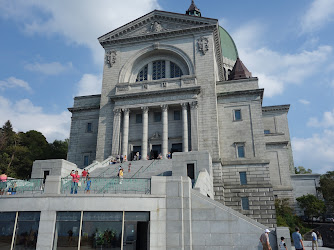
x,y
139,169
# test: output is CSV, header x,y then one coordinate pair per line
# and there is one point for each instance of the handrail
x,y
149,165
144,169
15,186
136,172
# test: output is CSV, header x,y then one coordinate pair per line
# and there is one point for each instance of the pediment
x,y
154,23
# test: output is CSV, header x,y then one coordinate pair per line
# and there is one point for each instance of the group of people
x,y
296,237
76,181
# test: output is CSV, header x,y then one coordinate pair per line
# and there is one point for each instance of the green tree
x,y
327,189
302,170
58,149
312,206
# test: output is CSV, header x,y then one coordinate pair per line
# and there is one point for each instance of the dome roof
x,y
229,49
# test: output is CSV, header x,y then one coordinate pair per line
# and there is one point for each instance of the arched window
x,y
142,75
158,70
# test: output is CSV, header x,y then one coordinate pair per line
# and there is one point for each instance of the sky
x,y
49,53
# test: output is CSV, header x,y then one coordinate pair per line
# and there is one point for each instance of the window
x,y
243,178
89,127
177,115
266,131
86,160
240,150
159,70
237,115
142,75
245,203
139,118
157,116
175,70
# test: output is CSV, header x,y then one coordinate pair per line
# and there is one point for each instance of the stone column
x,y
184,127
194,126
164,130
145,134
125,133
116,132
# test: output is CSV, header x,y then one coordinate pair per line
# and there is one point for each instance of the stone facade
x,y
198,110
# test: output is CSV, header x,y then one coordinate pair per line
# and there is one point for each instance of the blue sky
x,y
49,54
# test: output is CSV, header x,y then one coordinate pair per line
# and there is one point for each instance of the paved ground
x,y
308,246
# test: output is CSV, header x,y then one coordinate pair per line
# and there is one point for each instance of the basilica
x,y
182,116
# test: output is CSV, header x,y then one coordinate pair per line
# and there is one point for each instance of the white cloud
x,y
13,82
326,122
79,21
24,116
53,68
89,85
277,69
316,152
303,101
319,13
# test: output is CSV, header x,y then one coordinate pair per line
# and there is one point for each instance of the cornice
x,y
244,161
242,92
276,108
87,96
278,143
83,108
195,90
251,79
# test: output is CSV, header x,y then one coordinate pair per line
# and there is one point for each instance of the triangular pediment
x,y
156,22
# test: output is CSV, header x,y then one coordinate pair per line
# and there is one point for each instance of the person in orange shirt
x,y
75,180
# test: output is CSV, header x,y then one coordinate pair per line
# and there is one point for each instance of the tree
x,y
58,149
327,189
312,206
302,170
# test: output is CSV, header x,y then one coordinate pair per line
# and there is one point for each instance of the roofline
x,y
213,19
86,96
236,49
285,107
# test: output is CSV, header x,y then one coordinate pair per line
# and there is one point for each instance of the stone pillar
x,y
47,221
164,130
184,127
194,126
125,133
116,132
145,133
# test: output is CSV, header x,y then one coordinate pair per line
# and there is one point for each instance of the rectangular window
x,y
139,118
241,151
86,160
7,222
266,131
27,230
177,115
245,203
67,230
237,115
89,127
157,116
243,178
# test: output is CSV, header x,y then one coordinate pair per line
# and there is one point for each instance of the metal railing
x,y
113,185
16,186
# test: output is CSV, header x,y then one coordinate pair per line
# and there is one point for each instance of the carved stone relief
x,y
203,44
110,58
194,105
156,27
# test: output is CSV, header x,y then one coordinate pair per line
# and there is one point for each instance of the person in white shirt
x,y
282,245
314,240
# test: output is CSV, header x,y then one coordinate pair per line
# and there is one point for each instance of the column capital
x,y
194,105
184,105
126,111
117,112
164,107
144,109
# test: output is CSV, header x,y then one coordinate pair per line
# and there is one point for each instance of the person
x,y
75,180
84,175
129,167
13,188
3,183
264,238
120,174
282,245
121,158
88,184
314,240
297,240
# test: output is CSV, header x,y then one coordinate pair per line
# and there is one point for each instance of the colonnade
x,y
164,118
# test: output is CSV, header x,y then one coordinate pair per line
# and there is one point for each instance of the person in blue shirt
x,y
88,183
297,240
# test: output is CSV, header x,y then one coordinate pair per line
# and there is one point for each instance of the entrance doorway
x,y
156,150
135,235
136,149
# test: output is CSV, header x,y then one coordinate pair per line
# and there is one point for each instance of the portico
x,y
154,131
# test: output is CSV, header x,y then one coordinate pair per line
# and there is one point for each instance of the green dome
x,y
229,49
